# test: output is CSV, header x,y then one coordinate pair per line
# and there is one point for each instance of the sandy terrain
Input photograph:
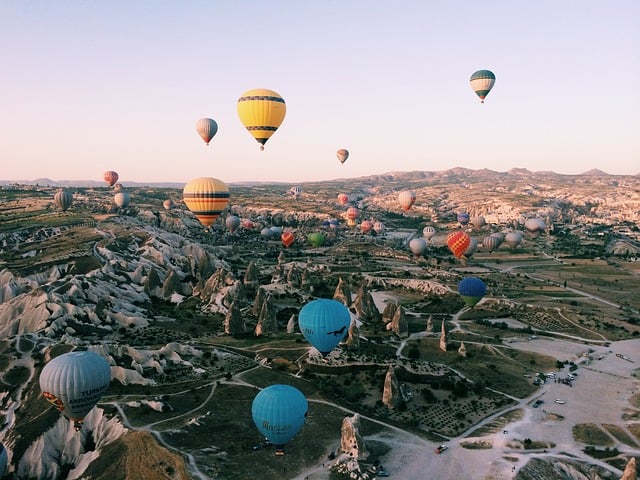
x,y
599,395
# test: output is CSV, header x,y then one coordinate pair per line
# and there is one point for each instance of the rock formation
x,y
294,277
430,325
258,301
399,324
251,281
153,283
365,306
629,471
267,321
462,351
389,311
342,293
391,394
291,324
351,442
353,336
233,321
443,338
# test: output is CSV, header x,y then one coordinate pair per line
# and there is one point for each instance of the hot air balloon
x,y
266,233
366,226
342,155
316,239
472,289
471,249
378,227
478,222
122,199
458,242
167,204
463,218
63,199
206,128
417,246
514,238
261,111
287,238
535,226
110,177
279,412
247,224
117,187
407,198
491,242
343,198
232,222
482,82
206,197
428,232
324,323
276,231
74,382
352,213
4,460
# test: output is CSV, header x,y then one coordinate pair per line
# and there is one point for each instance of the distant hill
x,y
460,173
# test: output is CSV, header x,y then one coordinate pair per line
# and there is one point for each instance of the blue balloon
x,y
324,323
472,289
463,218
279,411
4,460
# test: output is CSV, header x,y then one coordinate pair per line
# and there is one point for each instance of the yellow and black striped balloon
x,y
206,197
261,111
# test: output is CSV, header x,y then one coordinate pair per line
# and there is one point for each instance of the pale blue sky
x,y
89,86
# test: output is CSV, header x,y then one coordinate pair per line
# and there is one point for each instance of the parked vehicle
x,y
441,448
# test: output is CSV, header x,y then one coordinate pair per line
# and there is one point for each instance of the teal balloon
x,y
324,323
472,289
4,460
279,411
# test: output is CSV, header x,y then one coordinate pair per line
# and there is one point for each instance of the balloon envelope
x,y
122,199
352,213
366,226
417,246
110,177
167,204
324,323
342,155
279,411
472,289
491,242
74,382
378,227
316,239
478,221
287,239
463,218
261,111
482,82
514,238
206,197
206,128
232,222
63,199
428,232
4,460
407,198
458,242
343,198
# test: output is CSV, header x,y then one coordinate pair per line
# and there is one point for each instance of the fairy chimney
x,y
233,321
342,293
443,338
391,394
